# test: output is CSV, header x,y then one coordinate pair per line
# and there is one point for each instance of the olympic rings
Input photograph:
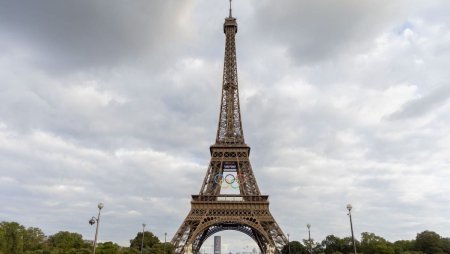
x,y
230,180
226,177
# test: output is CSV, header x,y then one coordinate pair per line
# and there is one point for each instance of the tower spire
x,y
229,131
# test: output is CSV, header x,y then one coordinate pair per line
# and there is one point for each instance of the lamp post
x,y
349,208
94,220
165,235
142,242
289,245
309,238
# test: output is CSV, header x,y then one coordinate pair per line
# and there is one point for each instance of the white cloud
x,y
341,104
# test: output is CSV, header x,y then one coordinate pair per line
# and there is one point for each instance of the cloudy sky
x,y
117,101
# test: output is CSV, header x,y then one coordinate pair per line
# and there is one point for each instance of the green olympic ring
x,y
229,180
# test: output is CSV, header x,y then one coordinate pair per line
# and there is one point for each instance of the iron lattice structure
x,y
211,211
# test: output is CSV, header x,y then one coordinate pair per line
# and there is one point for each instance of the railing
x,y
230,198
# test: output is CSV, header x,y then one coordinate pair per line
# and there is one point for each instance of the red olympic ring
x,y
229,180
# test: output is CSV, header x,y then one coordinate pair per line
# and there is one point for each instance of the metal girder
x,y
246,212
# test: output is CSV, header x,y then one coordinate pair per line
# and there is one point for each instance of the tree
x,y
128,250
33,239
11,234
402,246
335,245
446,245
429,242
107,248
312,246
149,241
373,244
158,248
2,240
347,245
295,247
64,241
332,244
317,248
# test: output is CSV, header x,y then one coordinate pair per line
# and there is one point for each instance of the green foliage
x,y
348,245
446,245
127,250
158,248
429,242
403,246
66,241
16,239
149,241
335,245
311,246
295,248
152,245
332,244
11,235
107,248
373,244
34,239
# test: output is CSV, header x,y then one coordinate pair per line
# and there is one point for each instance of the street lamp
x,y
94,220
289,245
309,238
165,235
349,208
142,242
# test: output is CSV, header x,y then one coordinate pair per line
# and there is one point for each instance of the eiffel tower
x,y
211,211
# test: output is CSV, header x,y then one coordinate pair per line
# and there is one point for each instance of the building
x,y
217,244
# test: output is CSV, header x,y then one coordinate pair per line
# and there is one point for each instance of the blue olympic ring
x,y
229,180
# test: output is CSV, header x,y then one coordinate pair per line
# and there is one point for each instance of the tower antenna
x,y
230,8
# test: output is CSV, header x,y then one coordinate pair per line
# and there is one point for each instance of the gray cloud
x,y
320,30
426,104
90,34
341,102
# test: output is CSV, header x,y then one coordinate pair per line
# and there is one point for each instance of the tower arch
x,y
247,227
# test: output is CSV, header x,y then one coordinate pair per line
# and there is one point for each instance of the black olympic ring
x,y
229,179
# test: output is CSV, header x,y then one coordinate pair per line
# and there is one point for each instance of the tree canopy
x,y
151,244
295,248
373,244
17,239
430,242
